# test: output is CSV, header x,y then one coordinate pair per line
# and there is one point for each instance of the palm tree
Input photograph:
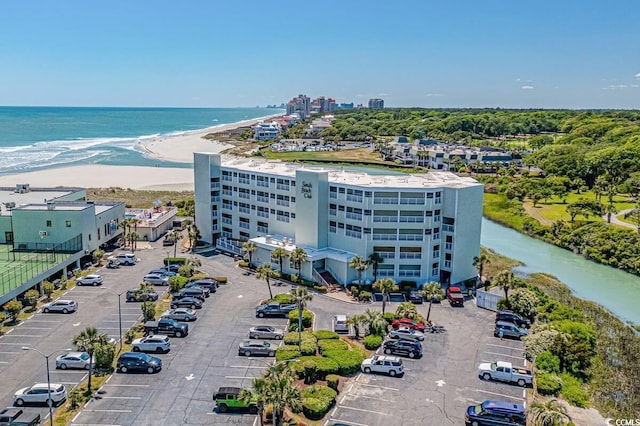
x,y
360,265
125,224
87,341
430,291
174,237
298,256
407,310
194,235
266,272
385,286
376,324
357,321
302,296
133,238
548,413
479,262
282,393
375,260
506,281
249,247
609,209
257,394
278,255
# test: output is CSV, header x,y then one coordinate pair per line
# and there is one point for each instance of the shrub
x,y
286,352
548,362
177,282
31,298
310,369
320,288
104,355
243,263
48,288
292,338
284,298
348,361
75,398
13,308
317,400
325,334
333,380
294,278
64,281
307,317
129,336
325,367
372,342
332,345
573,391
548,384
185,271
221,280
364,296
390,316
148,311
174,260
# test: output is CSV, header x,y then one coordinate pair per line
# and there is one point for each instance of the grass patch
x,y
498,208
137,198
555,209
360,154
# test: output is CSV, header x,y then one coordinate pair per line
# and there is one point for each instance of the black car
x,y
137,295
186,302
172,268
510,316
208,283
412,349
415,297
196,293
138,362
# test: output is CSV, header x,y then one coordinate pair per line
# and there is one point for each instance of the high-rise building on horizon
x,y
300,105
375,103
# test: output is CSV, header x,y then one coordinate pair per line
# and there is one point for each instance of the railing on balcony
x,y
448,246
356,198
245,181
227,207
283,203
447,264
262,184
244,210
415,201
227,192
385,219
283,187
385,200
215,185
245,195
224,245
263,214
385,237
215,199
411,219
353,234
410,255
333,212
333,195
243,225
227,221
263,229
354,216
262,199
332,229
385,272
387,254
410,237
448,228
282,218
408,273
227,178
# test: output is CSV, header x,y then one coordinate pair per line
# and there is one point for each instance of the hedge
x,y
174,261
317,400
307,317
548,384
286,352
332,345
372,342
326,334
390,316
326,366
333,380
284,298
348,361
292,338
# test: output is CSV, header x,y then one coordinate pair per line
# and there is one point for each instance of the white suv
x,y
39,394
60,305
154,343
391,365
91,279
126,258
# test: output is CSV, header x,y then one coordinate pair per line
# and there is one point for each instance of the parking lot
x,y
435,389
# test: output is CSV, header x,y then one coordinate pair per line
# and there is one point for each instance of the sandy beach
x,y
179,148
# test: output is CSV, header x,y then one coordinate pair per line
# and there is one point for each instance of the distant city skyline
x,y
543,54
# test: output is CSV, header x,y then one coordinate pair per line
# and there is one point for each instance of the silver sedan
x,y
180,314
266,332
406,334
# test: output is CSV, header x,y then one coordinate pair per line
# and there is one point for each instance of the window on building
x,y
48,224
447,220
68,224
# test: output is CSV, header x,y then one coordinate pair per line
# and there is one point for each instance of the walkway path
x,y
616,221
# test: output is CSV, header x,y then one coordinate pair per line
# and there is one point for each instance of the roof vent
x,y
22,188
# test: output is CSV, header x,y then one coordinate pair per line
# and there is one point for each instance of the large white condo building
x,y
426,227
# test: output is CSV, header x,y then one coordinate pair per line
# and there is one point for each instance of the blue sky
x,y
541,54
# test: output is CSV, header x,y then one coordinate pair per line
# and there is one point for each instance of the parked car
x,y
195,291
227,399
76,360
157,343
509,316
209,283
266,332
138,295
156,279
406,334
40,393
455,296
251,348
163,272
408,323
91,279
186,302
403,347
505,372
415,297
490,413
180,314
138,362
508,329
126,258
172,268
274,309
12,416
166,326
189,292
391,365
61,305
206,286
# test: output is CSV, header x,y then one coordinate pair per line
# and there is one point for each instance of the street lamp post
x,y
299,298
46,357
119,312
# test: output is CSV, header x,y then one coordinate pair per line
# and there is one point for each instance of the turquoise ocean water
x,y
33,138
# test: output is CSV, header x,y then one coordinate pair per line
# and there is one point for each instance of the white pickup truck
x,y
505,372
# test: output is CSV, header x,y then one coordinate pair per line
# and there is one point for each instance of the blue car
x,y
138,362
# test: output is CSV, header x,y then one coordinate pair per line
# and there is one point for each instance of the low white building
x,y
426,227
266,130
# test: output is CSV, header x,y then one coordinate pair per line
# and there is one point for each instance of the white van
x,y
126,258
340,324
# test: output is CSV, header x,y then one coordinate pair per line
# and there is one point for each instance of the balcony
x,y
447,264
356,198
410,255
214,228
410,237
332,229
244,210
245,181
263,229
227,192
262,199
353,234
283,203
226,221
333,212
244,195
354,216
385,200
387,255
333,195
282,218
263,214
215,185
262,184
411,219
414,201
243,225
408,273
436,236
448,228
438,200
226,178
283,187
436,254
215,199
448,246
227,207
385,237
385,219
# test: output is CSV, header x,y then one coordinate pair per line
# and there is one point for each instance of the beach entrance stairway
x,y
329,279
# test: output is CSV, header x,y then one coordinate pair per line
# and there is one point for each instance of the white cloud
x,y
638,75
434,95
518,79
616,86
382,94
527,87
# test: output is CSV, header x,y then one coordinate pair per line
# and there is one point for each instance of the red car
x,y
409,323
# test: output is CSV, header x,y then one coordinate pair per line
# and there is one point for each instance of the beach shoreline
x,y
176,148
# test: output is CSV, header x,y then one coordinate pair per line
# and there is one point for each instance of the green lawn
x,y
361,154
497,207
555,209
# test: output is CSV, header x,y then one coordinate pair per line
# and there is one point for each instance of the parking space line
x,y
363,409
504,346
379,387
120,397
4,362
498,353
36,328
91,424
345,422
248,366
61,371
133,386
240,377
5,352
500,394
37,320
10,343
107,411
24,335
365,396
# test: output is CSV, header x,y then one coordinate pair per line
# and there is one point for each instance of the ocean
x,y
33,138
